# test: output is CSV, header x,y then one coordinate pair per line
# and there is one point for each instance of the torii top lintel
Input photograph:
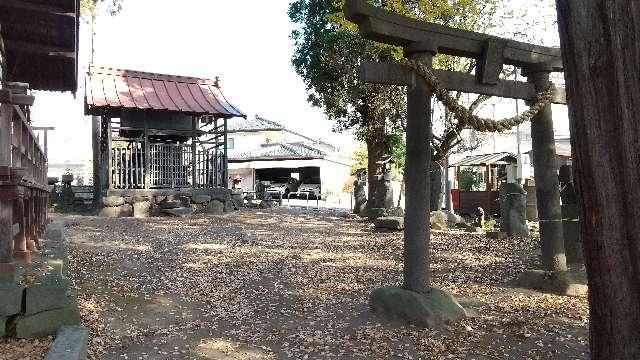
x,y
394,29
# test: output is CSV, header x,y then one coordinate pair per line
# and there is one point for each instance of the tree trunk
x,y
601,53
436,186
375,151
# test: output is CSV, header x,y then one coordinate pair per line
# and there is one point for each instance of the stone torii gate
x,y
421,41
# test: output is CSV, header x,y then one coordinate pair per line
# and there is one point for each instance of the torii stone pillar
x,y
418,158
545,169
417,302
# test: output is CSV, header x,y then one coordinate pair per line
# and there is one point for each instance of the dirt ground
x,y
288,283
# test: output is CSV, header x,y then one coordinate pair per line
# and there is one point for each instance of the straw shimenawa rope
x,y
466,117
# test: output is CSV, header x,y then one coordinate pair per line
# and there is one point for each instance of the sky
x,y
244,42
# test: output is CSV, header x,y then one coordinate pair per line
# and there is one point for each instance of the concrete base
x,y
562,283
45,323
10,299
427,310
70,344
7,274
22,256
45,296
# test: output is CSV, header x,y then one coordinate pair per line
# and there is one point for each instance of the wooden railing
x,y
169,166
23,178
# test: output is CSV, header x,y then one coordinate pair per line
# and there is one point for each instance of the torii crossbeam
x,y
421,41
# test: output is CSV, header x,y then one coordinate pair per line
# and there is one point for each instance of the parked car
x,y
283,186
312,189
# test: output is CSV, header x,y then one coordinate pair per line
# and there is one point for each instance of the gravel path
x,y
281,283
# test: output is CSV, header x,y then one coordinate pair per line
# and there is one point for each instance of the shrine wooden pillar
x,y
32,232
6,204
147,155
194,150
545,169
20,216
96,127
417,275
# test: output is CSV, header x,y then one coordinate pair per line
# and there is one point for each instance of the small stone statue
x,y
360,196
478,221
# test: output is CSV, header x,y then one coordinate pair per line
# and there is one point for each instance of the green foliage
x,y
89,8
468,180
397,149
359,159
328,51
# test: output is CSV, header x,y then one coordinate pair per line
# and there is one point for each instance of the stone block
x,y
70,344
433,309
237,199
513,210
141,209
48,295
3,326
200,199
126,210
497,235
179,212
110,212
45,323
438,220
138,199
10,299
229,206
170,204
215,207
267,204
474,230
570,211
390,222
572,241
55,231
111,201
562,283
220,194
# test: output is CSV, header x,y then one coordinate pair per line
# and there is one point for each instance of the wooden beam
x,y
6,96
394,29
397,74
33,48
67,7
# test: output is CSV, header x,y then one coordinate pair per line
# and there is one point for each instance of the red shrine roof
x,y
109,90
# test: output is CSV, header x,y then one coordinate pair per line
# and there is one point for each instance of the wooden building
x,y
155,133
38,51
494,172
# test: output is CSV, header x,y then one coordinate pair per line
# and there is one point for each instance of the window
x,y
230,143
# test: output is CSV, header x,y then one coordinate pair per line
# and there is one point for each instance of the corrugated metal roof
x,y
487,159
114,89
280,151
256,124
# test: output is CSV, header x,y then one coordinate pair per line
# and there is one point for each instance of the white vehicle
x,y
312,189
